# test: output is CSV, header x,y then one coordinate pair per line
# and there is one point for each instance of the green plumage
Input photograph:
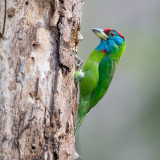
x,y
96,77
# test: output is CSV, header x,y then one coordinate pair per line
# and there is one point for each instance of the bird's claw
x,y
78,62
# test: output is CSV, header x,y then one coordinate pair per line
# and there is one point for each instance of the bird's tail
x,y
78,125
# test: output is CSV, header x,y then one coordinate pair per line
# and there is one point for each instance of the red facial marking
x,y
107,30
103,50
120,34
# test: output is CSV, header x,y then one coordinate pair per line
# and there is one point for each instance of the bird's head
x,y
111,40
109,34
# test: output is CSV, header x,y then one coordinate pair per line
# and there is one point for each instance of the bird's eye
x,y
112,34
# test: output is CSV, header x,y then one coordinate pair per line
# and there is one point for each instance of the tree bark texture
x,y
37,89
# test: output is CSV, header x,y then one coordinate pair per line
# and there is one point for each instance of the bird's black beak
x,y
100,33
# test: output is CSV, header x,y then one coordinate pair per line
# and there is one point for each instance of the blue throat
x,y
110,45
103,46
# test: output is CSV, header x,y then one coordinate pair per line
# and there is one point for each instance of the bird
x,y
98,71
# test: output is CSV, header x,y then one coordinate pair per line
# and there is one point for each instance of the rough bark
x,y
37,88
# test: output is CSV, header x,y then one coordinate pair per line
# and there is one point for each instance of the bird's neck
x,y
103,46
111,49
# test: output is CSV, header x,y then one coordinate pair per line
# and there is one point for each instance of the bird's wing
x,y
106,72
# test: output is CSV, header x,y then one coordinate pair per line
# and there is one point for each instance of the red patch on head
x,y
107,30
120,34
103,50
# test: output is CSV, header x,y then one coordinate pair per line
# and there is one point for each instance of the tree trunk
x,y
37,89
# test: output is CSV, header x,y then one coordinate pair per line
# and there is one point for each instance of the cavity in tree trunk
x,y
37,89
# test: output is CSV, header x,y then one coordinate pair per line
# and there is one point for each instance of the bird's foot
x,y
78,62
76,155
78,75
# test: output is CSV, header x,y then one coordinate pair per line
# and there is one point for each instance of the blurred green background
x,y
125,125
